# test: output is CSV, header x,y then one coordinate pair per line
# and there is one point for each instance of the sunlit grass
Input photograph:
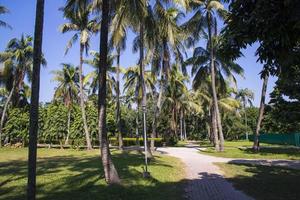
x,y
243,149
72,174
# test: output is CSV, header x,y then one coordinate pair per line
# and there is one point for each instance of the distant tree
x,y
245,96
67,90
84,27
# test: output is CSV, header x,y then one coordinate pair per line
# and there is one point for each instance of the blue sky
x,y
21,18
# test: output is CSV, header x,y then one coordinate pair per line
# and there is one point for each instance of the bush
x,y
132,141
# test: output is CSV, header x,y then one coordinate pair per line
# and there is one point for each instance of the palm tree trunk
x,y
34,102
157,111
137,126
214,129
261,112
68,127
148,153
246,123
82,106
181,125
154,125
4,111
213,85
120,138
184,127
110,172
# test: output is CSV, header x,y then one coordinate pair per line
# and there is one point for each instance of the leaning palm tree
x,y
84,27
245,96
201,70
17,62
4,10
34,103
265,77
67,90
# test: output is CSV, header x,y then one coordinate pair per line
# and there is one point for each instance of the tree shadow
x,y
264,182
73,177
210,186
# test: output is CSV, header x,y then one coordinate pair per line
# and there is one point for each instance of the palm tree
x,y
174,90
80,23
34,103
133,82
118,40
17,62
4,10
205,16
245,96
67,90
201,70
168,39
222,66
188,104
110,172
265,77
94,75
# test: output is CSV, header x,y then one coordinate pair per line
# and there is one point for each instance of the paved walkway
x,y
205,180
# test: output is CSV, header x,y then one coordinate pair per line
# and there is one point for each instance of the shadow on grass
x,y
71,177
264,182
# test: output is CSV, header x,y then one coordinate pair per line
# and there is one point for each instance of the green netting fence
x,y
274,138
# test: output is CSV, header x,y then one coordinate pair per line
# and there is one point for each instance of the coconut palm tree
x,y
205,17
174,90
84,27
110,172
34,103
17,62
223,66
245,96
93,76
4,10
133,82
188,104
67,90
265,77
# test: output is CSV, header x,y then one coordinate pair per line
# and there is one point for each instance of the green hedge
x,y
132,141
113,141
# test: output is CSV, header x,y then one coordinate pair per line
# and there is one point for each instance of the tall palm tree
x,y
245,96
201,70
265,77
118,40
17,62
80,23
133,82
67,90
4,10
205,17
34,103
110,172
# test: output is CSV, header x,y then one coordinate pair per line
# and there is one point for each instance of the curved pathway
x,y
205,180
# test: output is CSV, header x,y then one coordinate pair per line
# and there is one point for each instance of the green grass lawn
x,y
264,182
243,149
71,174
